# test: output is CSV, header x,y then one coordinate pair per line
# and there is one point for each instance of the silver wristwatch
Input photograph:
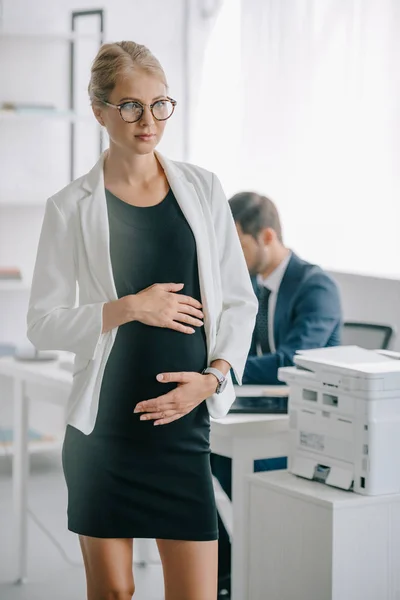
x,y
222,380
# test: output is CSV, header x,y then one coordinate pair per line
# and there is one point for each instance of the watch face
x,y
222,385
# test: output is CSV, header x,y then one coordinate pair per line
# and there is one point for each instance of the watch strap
x,y
217,373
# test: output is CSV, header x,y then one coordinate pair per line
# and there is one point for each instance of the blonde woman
x,y
165,311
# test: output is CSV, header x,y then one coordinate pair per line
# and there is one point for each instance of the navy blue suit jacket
x,y
307,315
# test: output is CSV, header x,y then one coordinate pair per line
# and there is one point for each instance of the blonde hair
x,y
116,60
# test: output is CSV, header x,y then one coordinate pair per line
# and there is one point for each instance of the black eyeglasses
x,y
133,111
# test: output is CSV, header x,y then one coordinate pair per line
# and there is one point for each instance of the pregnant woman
x,y
165,310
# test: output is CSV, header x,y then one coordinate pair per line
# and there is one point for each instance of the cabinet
x,y
307,541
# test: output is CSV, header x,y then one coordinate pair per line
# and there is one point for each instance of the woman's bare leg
x,y
190,569
108,566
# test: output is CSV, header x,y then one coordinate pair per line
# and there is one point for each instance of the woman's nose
x,y
147,117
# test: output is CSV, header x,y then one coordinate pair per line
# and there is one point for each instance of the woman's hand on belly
x,y
161,305
192,390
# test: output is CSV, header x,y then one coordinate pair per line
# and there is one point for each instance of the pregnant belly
x,y
141,352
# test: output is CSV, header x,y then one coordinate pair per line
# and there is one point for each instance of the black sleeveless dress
x,y
129,478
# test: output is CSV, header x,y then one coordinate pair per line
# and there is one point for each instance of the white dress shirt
x,y
273,282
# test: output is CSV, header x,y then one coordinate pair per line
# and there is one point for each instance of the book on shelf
x,y
26,106
10,274
7,349
7,436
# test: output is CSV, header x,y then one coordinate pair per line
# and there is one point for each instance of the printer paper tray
x,y
338,476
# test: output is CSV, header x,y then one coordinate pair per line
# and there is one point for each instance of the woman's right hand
x,y
161,306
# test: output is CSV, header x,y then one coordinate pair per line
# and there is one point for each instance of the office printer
x,y
344,418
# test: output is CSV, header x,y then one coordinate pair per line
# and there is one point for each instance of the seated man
x,y
299,308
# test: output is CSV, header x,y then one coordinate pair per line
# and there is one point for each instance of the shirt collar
x,y
273,281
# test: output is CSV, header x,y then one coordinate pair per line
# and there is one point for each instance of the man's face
x,y
254,250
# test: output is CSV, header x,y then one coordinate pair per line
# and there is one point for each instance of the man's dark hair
x,y
254,213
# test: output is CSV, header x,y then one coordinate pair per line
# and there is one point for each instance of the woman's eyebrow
x,y
138,100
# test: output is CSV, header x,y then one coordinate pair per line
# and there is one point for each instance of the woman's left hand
x,y
192,390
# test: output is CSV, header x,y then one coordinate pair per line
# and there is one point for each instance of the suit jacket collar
x,y
292,266
274,280
289,285
293,273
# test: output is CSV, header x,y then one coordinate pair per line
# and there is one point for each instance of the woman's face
x,y
142,136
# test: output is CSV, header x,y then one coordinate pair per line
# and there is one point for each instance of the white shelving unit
x,y
49,37
63,115
38,69
45,445
19,202
59,113
35,447
17,195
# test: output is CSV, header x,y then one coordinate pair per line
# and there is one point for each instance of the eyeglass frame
x,y
119,107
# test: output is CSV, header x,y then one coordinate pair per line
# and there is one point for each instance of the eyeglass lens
x,y
132,111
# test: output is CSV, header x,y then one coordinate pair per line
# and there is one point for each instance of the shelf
x,y
14,286
44,445
62,115
50,37
23,203
34,447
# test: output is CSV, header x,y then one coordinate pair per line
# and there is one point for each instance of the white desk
x,y
262,391
24,374
243,438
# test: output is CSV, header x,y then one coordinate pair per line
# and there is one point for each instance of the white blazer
x,y
73,261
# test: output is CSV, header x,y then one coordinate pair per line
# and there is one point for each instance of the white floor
x,y
50,575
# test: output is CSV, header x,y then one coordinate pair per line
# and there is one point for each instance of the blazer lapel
x,y
286,292
253,345
189,202
255,285
95,230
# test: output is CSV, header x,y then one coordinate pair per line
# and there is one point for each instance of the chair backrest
x,y
366,335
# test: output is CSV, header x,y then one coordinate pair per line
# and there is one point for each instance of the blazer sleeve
x,y
53,320
239,310
317,314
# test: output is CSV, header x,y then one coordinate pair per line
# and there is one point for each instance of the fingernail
x,y
137,409
160,377
143,418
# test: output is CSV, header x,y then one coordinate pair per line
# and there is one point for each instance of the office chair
x,y
371,336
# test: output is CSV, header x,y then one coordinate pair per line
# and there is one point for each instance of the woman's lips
x,y
146,137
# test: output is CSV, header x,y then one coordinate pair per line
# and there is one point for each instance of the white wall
x,y
326,144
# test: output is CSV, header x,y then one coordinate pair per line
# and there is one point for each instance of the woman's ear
x,y
98,113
